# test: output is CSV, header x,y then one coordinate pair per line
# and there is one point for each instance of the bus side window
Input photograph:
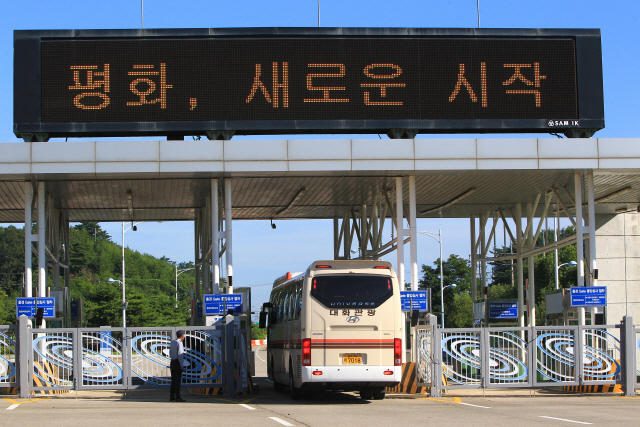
x,y
292,303
285,308
298,299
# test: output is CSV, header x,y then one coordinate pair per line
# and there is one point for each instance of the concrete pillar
x,y
579,240
413,233
28,223
42,255
532,283
215,236
474,269
520,273
400,230
228,233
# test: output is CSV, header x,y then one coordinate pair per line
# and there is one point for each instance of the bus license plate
x,y
352,359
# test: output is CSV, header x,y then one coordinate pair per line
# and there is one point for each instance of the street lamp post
x,y
571,263
177,274
439,240
124,302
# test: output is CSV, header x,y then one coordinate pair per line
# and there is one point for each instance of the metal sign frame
x,y
28,86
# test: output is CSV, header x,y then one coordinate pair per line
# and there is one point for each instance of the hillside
x,y
150,282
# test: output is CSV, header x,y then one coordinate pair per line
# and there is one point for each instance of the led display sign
x,y
252,81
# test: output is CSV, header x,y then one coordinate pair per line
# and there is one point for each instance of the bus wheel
x,y
378,394
294,392
366,394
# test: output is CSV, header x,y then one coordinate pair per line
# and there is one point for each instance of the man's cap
x,y
179,333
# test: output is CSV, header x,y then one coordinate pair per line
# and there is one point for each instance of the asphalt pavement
x,y
518,408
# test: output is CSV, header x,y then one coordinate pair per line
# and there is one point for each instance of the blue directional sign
x,y
589,296
503,310
27,306
217,305
414,300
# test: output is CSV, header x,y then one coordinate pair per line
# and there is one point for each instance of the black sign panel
x,y
306,81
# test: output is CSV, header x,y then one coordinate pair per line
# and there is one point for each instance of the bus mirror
x,y
414,317
263,320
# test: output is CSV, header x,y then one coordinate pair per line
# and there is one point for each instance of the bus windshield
x,y
351,290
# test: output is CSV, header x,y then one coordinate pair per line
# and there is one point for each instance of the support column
x,y
42,255
215,236
483,264
196,246
28,224
474,266
228,234
400,230
519,261
532,284
413,233
336,238
67,271
579,240
592,236
206,265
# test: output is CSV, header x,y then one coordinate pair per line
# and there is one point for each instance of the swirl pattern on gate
x,y
151,360
558,359
7,351
100,368
54,363
462,360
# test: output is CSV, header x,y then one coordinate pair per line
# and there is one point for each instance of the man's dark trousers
x,y
176,379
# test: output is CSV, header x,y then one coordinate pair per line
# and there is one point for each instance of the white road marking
x,y
283,422
12,407
247,406
258,356
476,406
562,419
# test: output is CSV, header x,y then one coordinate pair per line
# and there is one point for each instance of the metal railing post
x,y
532,356
24,351
578,353
229,359
485,345
628,341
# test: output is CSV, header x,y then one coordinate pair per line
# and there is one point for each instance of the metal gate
x,y
8,356
117,358
525,357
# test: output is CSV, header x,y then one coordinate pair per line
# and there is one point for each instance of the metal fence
x,y
8,356
527,357
117,358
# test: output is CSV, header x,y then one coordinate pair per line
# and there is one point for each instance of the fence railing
x,y
541,356
118,358
8,356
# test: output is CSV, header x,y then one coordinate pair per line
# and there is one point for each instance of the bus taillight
x,y
306,352
397,352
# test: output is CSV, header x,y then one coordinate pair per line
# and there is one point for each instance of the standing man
x,y
177,365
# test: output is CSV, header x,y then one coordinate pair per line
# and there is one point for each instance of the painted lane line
x,y
12,407
476,406
247,406
283,422
562,419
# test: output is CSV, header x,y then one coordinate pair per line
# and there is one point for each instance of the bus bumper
x,y
352,374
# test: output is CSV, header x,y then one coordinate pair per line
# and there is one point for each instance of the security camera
x,y
135,228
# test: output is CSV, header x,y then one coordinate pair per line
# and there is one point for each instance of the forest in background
x,y
150,281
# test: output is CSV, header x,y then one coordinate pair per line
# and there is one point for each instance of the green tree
x,y
257,333
457,301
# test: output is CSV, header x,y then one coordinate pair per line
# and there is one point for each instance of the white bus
x,y
338,326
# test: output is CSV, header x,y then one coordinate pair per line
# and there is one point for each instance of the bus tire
x,y
379,393
366,394
294,392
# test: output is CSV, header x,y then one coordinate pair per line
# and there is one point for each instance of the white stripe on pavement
x,y
247,406
283,422
562,419
12,407
476,406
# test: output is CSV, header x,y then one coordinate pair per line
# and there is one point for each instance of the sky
x,y
260,253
